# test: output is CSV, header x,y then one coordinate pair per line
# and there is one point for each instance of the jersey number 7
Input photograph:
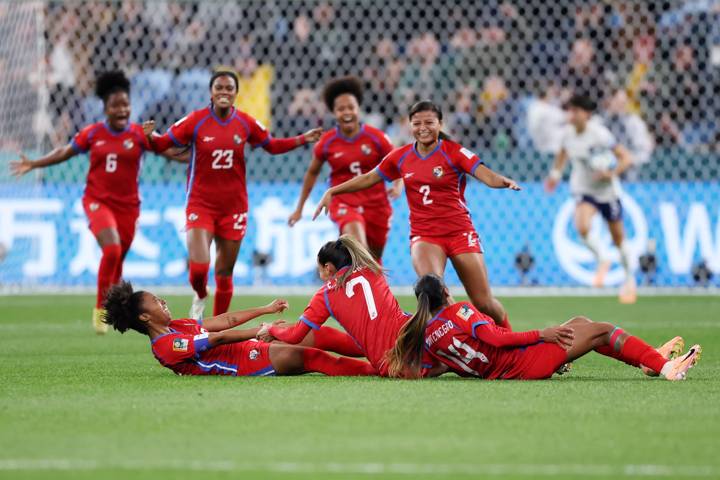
x,y
367,293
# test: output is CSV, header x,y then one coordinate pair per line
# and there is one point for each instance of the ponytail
x,y
405,358
347,252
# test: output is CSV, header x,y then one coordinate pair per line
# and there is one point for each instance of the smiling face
x,y
425,127
347,112
117,110
154,310
223,92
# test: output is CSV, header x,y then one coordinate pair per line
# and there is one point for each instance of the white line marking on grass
x,y
410,469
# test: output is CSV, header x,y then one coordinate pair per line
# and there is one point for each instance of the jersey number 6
x,y
367,293
111,162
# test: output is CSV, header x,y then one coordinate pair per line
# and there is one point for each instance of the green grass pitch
x,y
78,406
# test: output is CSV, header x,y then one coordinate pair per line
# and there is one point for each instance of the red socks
x,y
110,262
199,277
223,294
333,340
315,360
633,351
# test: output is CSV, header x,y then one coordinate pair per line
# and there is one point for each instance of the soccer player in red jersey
x,y
217,201
434,171
357,295
212,346
111,200
351,149
469,343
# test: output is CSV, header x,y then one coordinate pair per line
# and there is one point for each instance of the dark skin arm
x,y
309,180
58,155
231,336
230,320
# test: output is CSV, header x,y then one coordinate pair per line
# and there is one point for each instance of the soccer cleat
x,y
628,292
669,351
677,369
564,368
602,269
197,309
100,327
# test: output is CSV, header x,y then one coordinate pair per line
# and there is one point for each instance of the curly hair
x,y
108,83
341,86
122,308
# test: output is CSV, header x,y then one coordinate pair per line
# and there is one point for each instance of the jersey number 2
x,y
367,293
425,190
222,159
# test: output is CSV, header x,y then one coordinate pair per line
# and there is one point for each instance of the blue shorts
x,y
611,211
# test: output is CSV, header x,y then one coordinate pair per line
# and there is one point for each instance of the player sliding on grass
x,y
468,342
434,171
357,295
217,199
212,347
111,200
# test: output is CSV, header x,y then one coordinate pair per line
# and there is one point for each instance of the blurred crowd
x,y
500,69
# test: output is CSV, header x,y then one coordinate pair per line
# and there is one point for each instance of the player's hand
x,y
395,190
294,217
312,136
605,176
148,127
550,184
277,306
263,333
324,205
20,167
562,335
511,184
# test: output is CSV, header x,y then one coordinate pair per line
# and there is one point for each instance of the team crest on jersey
x,y
465,312
365,148
94,206
180,345
237,139
192,217
438,171
254,354
342,211
128,144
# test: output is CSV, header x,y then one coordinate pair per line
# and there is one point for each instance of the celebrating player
x,y
433,170
595,184
470,344
212,346
111,201
357,295
351,149
217,201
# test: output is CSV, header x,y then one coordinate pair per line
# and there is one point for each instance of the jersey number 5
x,y
222,159
356,169
367,293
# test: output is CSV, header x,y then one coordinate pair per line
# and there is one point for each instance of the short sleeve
x,y
81,141
319,149
388,168
258,135
466,160
178,347
467,319
384,143
181,132
142,139
318,310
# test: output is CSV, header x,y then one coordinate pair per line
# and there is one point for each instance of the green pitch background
x,y
77,406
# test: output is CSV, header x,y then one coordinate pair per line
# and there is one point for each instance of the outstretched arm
x,y
229,320
493,179
283,145
308,183
366,180
57,155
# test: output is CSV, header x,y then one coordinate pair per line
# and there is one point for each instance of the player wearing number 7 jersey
x,y
434,171
111,200
217,200
357,295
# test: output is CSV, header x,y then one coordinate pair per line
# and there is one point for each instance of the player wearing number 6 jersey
x,y
434,171
217,201
357,295
468,343
111,200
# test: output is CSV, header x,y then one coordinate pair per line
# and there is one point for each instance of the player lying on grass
x,y
212,346
469,343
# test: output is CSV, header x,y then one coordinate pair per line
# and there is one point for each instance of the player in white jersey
x,y
597,162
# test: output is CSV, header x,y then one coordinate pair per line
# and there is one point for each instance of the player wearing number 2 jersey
x,y
434,170
217,202
111,200
357,295
351,149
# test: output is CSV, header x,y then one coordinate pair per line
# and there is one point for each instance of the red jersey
x,y
470,343
351,157
216,174
186,351
434,186
367,310
115,158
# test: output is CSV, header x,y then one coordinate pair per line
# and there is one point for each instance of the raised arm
x,y
229,320
493,179
282,145
57,155
555,175
362,182
309,180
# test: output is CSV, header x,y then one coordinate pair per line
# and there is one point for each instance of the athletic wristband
x,y
555,174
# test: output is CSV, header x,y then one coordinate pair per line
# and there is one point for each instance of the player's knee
x,y
483,302
287,359
112,252
578,320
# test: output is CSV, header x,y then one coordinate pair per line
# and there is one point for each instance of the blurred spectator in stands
x,y
255,83
61,80
462,123
125,44
382,70
629,130
495,115
546,118
422,77
461,61
304,112
581,73
331,38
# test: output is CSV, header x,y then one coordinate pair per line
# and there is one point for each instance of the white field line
x,y
410,469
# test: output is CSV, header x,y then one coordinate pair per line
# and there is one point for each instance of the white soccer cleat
x,y
197,309
677,369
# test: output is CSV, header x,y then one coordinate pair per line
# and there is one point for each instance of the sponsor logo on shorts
x,y
365,148
180,345
465,312
472,239
94,206
438,171
193,216
254,354
237,139
128,144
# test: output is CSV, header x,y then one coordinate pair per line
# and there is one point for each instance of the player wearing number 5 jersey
x,y
357,295
351,149
111,200
434,171
217,201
